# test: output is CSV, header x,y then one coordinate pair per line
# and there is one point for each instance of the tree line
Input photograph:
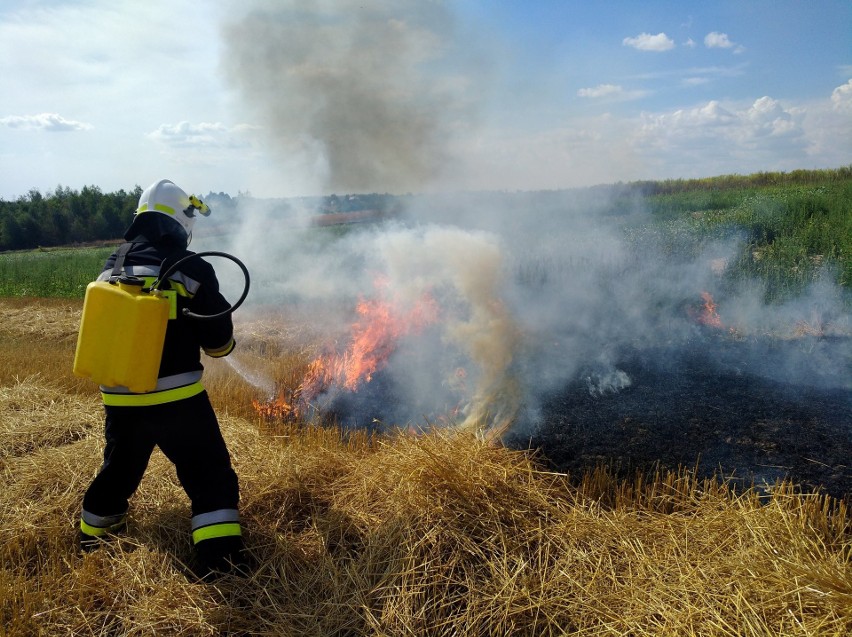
x,y
68,217
65,217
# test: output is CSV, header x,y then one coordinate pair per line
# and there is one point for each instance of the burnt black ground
x,y
751,411
729,409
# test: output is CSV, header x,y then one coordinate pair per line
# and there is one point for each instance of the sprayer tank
x,y
122,330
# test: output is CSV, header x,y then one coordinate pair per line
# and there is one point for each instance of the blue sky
x,y
788,50
286,98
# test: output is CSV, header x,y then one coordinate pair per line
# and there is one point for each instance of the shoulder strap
x,y
119,259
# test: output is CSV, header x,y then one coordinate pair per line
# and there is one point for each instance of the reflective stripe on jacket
x,y
169,389
194,287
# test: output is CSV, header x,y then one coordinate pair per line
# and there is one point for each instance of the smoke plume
x,y
535,290
366,92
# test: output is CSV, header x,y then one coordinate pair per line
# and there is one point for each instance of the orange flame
x,y
374,336
709,316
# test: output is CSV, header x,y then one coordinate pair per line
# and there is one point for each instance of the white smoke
x,y
536,289
610,382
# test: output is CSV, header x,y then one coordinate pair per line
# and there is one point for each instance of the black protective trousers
x,y
187,432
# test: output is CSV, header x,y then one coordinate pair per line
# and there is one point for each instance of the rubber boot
x,y
222,555
88,543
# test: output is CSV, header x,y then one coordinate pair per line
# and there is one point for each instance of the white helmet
x,y
166,198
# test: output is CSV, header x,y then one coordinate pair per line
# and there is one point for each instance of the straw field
x,y
439,534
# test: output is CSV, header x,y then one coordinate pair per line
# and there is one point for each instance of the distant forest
x,y
71,217
67,217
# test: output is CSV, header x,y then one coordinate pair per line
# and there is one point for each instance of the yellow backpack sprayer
x,y
123,326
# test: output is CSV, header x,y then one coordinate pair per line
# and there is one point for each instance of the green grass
x,y
791,229
53,273
789,235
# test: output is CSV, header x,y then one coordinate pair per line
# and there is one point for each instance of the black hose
x,y
204,317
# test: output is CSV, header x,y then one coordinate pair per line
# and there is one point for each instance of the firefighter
x,y
177,415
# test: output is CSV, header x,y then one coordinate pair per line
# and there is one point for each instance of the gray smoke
x,y
366,92
536,290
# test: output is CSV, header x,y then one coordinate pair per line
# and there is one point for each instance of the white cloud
x,y
694,76
710,138
648,42
841,98
610,91
768,118
714,138
120,68
828,126
765,117
49,122
145,102
202,134
601,90
710,72
716,40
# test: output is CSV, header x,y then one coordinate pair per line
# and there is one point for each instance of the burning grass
x,y
438,534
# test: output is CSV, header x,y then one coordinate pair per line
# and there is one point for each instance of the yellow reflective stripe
x,y
176,287
216,530
152,398
171,297
221,351
94,531
180,288
158,207
98,531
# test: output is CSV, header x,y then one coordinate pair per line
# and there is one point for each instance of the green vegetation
x,y
59,273
792,228
65,217
740,182
790,232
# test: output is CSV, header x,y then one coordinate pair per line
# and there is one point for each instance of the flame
x,y
277,408
373,338
476,325
709,316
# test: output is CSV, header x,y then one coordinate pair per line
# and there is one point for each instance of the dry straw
x,y
440,534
